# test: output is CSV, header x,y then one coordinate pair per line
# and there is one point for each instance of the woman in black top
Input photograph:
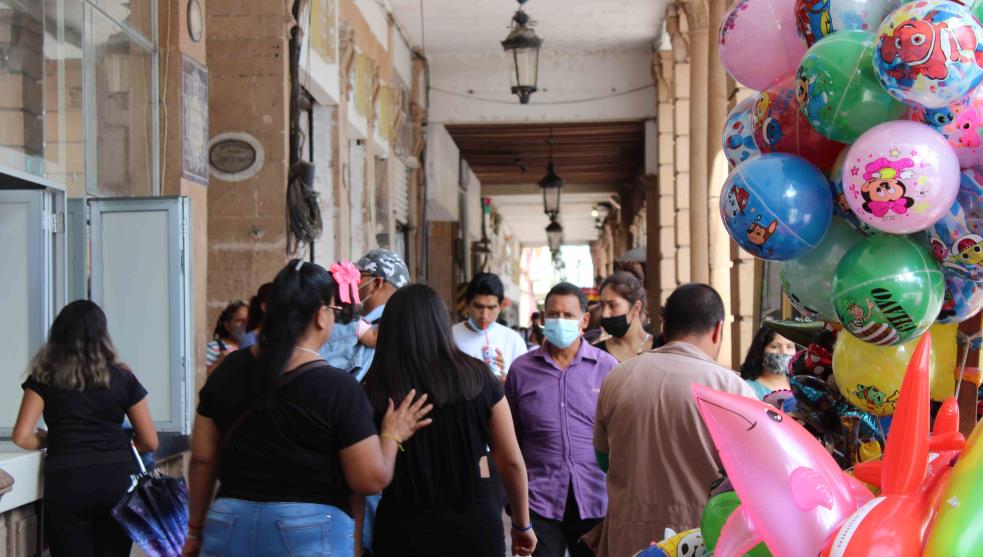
x,y
441,501
622,308
289,437
84,394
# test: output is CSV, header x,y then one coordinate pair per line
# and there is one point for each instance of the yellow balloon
x,y
946,354
870,376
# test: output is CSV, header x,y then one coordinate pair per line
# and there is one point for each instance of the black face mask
x,y
616,326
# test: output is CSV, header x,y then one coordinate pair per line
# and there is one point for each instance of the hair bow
x,y
347,276
880,208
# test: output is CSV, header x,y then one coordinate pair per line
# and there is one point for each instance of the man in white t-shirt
x,y
481,336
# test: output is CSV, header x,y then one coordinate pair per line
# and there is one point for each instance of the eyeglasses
x,y
335,309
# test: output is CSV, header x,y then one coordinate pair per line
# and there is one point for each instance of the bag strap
x,y
283,380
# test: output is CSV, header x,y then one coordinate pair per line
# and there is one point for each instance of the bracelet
x,y
524,529
394,439
193,535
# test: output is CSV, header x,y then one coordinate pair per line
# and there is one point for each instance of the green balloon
x,y
887,290
807,280
838,91
715,514
978,9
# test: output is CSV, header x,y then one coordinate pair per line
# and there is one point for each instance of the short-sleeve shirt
x,y
662,459
440,465
472,342
213,350
86,427
287,451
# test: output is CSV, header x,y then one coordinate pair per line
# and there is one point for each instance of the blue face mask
x,y
474,325
561,333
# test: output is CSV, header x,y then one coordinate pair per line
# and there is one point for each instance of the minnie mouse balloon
x,y
819,18
930,53
900,177
738,139
840,207
758,42
780,127
957,238
776,206
961,123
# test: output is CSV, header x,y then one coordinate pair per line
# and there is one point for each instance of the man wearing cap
x,y
383,273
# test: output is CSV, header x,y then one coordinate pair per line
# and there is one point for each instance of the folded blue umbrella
x,y
154,512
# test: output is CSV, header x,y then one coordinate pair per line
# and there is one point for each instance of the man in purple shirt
x,y
553,396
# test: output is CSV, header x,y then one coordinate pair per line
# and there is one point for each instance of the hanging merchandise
x,y
738,139
808,280
820,18
837,89
758,42
776,206
957,238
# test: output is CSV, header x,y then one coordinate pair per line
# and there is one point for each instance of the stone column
x,y
666,207
699,105
745,278
680,142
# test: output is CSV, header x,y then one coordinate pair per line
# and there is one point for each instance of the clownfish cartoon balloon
x,y
793,494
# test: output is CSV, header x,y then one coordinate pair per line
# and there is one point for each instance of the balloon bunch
x,y
859,167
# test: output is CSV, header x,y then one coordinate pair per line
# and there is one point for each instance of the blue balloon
x,y
776,206
957,238
963,299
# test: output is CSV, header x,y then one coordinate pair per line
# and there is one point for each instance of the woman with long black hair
x,y
227,336
442,501
289,437
84,393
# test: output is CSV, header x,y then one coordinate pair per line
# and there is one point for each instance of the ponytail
x,y
298,292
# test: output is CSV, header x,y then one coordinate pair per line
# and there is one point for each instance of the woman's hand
x,y
191,548
404,421
523,543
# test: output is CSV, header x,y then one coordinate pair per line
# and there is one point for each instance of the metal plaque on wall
x,y
194,121
235,156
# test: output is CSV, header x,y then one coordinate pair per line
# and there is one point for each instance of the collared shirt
x,y
553,410
662,459
343,350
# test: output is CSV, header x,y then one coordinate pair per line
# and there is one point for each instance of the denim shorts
x,y
237,528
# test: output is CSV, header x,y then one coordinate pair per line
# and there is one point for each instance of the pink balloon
x,y
793,494
900,177
759,42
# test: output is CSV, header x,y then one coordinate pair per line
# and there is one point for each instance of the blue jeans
x,y
237,528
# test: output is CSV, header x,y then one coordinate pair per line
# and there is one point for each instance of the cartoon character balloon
x,y
961,123
780,127
957,238
819,18
776,206
837,90
758,42
963,299
807,280
792,499
887,290
930,53
738,140
840,206
900,177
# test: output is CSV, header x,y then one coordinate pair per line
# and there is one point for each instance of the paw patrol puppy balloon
x,y
776,206
961,123
957,238
900,177
738,139
930,53
819,18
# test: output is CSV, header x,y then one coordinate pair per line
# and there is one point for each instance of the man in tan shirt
x,y
648,432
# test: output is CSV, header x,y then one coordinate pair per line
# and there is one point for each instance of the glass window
x,y
40,87
120,76
134,13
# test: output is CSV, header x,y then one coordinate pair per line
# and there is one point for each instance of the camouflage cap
x,y
387,265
